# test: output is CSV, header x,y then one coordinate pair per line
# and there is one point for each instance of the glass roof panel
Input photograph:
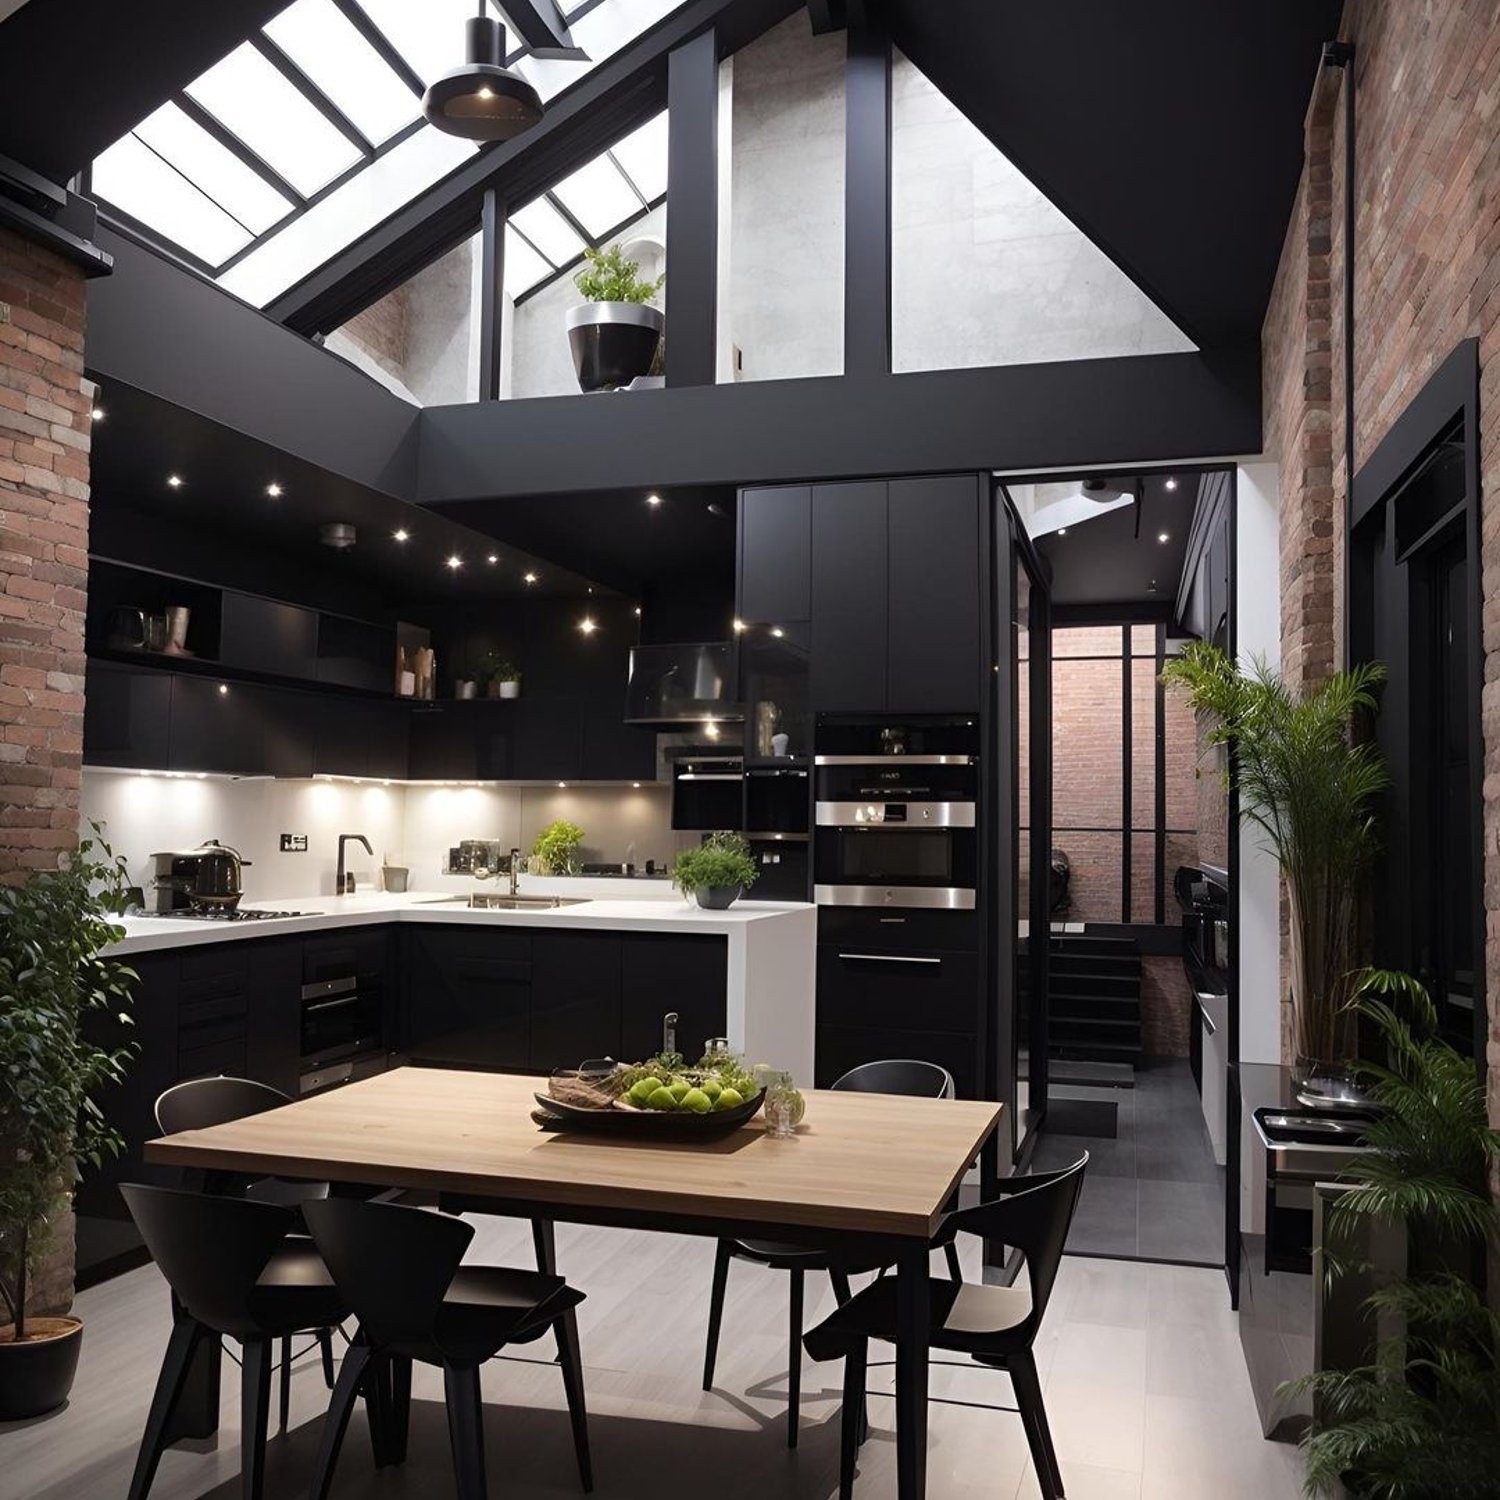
x,y
523,266
214,169
352,209
643,154
541,223
598,196
249,96
429,34
322,41
134,178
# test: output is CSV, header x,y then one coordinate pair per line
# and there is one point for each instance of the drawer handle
x,y
888,958
312,1010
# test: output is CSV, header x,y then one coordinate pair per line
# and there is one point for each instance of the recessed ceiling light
x,y
174,481
637,611
401,535
1164,536
223,689
563,785
587,625
739,627
531,578
274,490
455,562
777,631
1171,484
636,785
493,558
97,415
653,499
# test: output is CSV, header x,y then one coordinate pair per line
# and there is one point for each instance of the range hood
x,y
678,685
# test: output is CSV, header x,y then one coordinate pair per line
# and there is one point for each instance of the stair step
x,y
1096,946
1095,1051
1094,984
1085,1072
1091,1028
1094,1007
1094,963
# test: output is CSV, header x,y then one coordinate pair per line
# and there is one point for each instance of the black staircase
x,y
1094,1021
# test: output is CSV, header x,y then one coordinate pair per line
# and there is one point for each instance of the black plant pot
x,y
613,342
36,1376
718,897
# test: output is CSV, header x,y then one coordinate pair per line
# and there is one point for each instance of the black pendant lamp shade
x,y
483,100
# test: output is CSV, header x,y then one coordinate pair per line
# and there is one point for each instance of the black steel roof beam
x,y
573,223
630,181
541,27
232,143
313,94
359,19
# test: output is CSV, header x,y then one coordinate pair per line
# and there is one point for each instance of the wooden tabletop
x,y
859,1163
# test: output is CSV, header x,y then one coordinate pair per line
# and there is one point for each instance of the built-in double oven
x,y
894,814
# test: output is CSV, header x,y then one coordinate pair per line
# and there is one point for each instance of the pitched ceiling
x,y
1169,131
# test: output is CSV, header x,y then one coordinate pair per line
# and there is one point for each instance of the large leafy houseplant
x,y
1422,1420
54,973
1310,786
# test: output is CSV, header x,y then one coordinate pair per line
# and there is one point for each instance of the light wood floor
x,y
1144,1384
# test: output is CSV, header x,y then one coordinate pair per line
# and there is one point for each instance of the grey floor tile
x,y
1181,1221
1107,1220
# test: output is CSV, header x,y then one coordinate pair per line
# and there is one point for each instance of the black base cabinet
x,y
575,998
661,974
465,997
843,1047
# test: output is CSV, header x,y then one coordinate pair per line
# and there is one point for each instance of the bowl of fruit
x,y
660,1097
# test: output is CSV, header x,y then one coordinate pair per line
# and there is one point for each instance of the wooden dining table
x,y
864,1174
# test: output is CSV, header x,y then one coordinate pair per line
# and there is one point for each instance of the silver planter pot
x,y
613,342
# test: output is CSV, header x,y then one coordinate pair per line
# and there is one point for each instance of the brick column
x,y
45,405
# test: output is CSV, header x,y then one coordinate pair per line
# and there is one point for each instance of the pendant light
x,y
483,100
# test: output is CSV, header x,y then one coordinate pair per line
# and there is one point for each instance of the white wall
x,y
985,271
410,825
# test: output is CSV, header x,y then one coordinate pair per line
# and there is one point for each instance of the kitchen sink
x,y
496,901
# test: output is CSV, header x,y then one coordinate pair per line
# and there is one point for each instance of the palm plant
x,y
1422,1420
1310,788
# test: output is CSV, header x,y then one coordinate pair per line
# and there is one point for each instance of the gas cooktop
x,y
226,914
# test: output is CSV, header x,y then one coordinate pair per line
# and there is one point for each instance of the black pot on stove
x,y
207,878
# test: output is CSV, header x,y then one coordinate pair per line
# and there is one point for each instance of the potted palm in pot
x,y
54,973
717,873
615,333
1310,787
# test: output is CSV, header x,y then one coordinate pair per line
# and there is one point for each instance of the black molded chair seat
x,y
966,1319
295,1290
487,1307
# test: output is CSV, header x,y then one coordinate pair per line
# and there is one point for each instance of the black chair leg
x,y
544,1246
325,1345
380,1409
794,1358
572,1373
285,1402
852,1425
841,1294
181,1348
466,1429
400,1407
1028,1389
255,1412
716,1310
345,1393
955,1270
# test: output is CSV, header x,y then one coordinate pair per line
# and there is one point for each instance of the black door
x,y
216,726
849,578
264,635
775,554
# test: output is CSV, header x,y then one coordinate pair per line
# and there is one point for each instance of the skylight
x,y
310,133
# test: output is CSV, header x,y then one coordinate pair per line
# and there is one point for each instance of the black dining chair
x,y
993,1325
236,1271
401,1270
909,1076
200,1103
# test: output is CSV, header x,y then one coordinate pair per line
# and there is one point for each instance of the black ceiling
x,y
1110,559
75,75
143,439
618,536
1170,131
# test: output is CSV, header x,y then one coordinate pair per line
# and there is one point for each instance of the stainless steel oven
x,y
342,1021
895,817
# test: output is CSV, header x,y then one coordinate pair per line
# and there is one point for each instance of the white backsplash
x,y
407,825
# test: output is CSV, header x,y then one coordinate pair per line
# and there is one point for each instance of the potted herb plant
x,y
1421,1421
555,851
1310,787
614,333
504,676
717,873
54,973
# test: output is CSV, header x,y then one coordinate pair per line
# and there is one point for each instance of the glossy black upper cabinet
x,y
354,653
775,582
216,726
849,596
934,635
264,635
126,717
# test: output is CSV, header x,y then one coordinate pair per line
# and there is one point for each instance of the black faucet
x,y
343,884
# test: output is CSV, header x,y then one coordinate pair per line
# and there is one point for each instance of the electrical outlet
x,y
294,843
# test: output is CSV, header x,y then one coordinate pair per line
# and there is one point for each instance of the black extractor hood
x,y
672,686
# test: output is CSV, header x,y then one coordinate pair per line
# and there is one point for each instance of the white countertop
x,y
146,933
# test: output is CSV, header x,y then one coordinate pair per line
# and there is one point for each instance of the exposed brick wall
x,y
1427,274
1166,1006
380,331
45,405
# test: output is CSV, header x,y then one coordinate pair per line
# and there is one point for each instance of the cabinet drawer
x,y
225,1056
841,1048
881,930
868,987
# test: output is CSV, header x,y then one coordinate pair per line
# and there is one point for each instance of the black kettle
x,y
216,875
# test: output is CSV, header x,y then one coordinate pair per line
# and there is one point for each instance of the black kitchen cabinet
x,y
444,745
860,986
548,739
358,737
775,583
466,997
355,653
273,1027
660,974
216,726
934,635
126,717
849,596
265,635
575,998
843,1047
612,750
